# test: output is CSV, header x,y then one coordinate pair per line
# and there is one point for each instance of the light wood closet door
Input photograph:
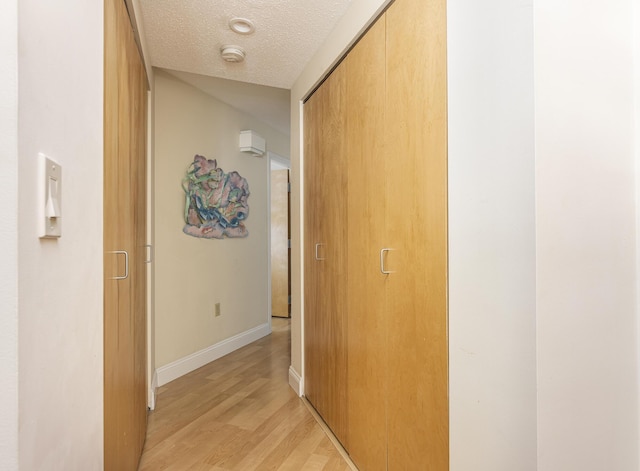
x,y
325,311
312,208
335,191
367,343
383,112
124,239
416,123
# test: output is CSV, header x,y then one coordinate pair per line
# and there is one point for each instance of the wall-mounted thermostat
x,y
50,197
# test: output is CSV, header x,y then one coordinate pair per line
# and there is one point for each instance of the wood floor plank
x,y
287,445
315,462
238,413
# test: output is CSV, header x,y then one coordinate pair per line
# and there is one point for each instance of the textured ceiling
x,y
186,35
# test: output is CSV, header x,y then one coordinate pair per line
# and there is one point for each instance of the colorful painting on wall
x,y
216,202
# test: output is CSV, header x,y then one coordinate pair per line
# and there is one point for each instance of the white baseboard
x,y
151,404
181,367
295,381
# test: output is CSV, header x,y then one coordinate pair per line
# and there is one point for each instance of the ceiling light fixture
x,y
232,53
241,25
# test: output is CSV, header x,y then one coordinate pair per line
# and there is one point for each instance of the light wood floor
x,y
238,413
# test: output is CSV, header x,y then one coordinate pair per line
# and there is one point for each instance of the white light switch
x,y
50,197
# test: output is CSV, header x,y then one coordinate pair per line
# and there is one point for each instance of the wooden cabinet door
x,y
325,254
124,242
367,342
416,131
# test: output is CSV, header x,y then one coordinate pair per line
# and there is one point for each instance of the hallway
x,y
238,413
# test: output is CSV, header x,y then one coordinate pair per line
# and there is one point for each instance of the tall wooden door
x,y
280,243
367,342
326,197
312,257
394,142
124,243
416,146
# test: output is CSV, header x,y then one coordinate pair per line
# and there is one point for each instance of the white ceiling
x,y
186,36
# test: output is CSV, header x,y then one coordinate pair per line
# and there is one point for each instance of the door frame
x,y
274,162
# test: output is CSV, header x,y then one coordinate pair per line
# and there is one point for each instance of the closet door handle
x,y
150,247
383,270
126,264
318,258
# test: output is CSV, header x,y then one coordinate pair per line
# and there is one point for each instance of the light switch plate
x,y
49,197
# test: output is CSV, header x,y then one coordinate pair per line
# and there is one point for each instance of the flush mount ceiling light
x,y
232,53
241,25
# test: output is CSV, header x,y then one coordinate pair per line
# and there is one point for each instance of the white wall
x,y
193,274
636,81
60,282
492,336
9,236
586,235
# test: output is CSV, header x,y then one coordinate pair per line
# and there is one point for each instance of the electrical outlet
x,y
217,311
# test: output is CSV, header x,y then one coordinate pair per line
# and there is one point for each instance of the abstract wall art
x,y
216,202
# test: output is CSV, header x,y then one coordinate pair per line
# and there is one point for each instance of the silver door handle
x,y
126,264
318,258
383,270
150,247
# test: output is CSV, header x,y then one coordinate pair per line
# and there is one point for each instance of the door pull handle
x,y
126,264
383,269
150,247
317,257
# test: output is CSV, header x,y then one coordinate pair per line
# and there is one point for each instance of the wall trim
x,y
151,397
295,381
181,367
279,160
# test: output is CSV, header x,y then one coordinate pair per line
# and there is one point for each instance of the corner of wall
x,y
295,381
151,396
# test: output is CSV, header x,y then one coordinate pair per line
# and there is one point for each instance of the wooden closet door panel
x,y
124,230
417,229
367,358
333,179
312,209
325,236
124,456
